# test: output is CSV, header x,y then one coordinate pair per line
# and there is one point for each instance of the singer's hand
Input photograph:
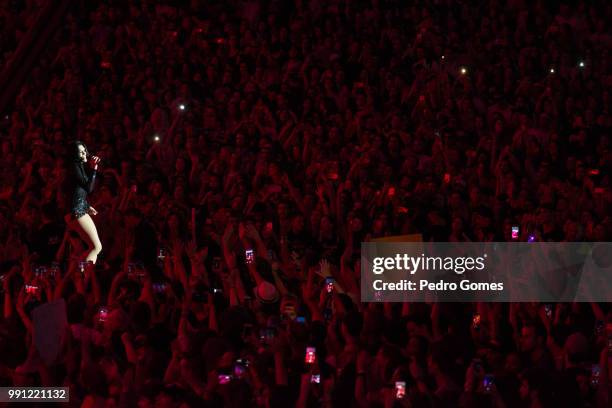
x,y
95,160
92,211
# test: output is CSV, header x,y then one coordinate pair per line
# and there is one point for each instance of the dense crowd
x,y
249,147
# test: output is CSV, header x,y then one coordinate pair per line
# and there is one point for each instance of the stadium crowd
x,y
249,147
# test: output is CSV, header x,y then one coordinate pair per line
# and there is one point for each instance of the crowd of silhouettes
x,y
248,148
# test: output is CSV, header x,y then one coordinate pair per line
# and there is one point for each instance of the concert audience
x,y
249,147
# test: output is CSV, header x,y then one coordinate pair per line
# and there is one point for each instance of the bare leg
x,y
90,233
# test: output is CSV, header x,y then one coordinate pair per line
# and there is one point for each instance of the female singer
x,y
81,211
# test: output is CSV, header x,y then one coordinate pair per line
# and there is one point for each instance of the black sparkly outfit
x,y
83,185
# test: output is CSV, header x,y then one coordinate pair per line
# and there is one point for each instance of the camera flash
x,y
156,138
463,71
443,57
581,64
552,70
182,107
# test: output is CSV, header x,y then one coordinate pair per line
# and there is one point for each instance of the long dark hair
x,y
73,152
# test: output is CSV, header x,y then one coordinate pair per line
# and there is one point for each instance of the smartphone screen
x,y
329,284
224,379
476,321
239,370
487,381
249,256
315,379
102,314
311,355
243,361
548,311
595,375
515,232
400,389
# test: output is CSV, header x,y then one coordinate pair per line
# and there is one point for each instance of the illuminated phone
x,y
329,284
548,311
249,256
161,254
476,321
487,382
595,375
239,371
31,289
224,379
102,314
315,379
531,238
400,389
243,361
300,319
310,356
515,232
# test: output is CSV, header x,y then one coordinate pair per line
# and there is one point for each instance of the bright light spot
x,y
581,64
182,107
463,71
443,57
552,70
156,138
